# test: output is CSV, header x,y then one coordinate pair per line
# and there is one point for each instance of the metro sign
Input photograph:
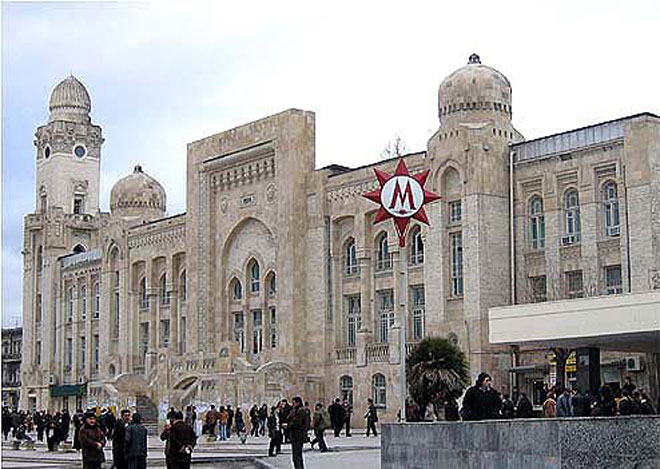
x,y
401,197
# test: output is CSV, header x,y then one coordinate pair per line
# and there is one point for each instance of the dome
x,y
70,101
138,195
473,90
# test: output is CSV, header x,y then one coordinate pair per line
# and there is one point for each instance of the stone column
x,y
152,294
174,307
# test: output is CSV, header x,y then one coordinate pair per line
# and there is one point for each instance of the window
x,y
273,327
78,248
383,258
353,319
39,308
164,332
83,353
37,353
257,336
162,290
536,223
272,285
346,389
40,259
97,300
144,299
379,390
184,286
183,334
144,339
572,214
237,289
69,355
456,243
116,306
538,289
386,314
83,302
416,247
574,288
417,302
351,260
77,205
610,209
455,211
255,277
96,352
613,280
239,330
69,304
44,203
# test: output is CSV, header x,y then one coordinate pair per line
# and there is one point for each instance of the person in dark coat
x,y
78,420
508,408
119,440
320,422
180,440
348,411
478,399
6,422
66,423
371,416
645,406
285,410
297,425
136,444
524,409
274,433
581,404
56,433
92,441
230,420
605,406
336,416
565,404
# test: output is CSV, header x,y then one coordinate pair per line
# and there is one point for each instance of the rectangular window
x,y
78,205
69,355
273,327
39,308
455,211
96,352
353,319
182,334
613,280
37,353
456,243
97,300
538,289
83,303
164,332
417,302
69,304
257,331
115,321
83,353
239,330
144,339
574,287
386,313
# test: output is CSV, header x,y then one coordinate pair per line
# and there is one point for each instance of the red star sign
x,y
401,197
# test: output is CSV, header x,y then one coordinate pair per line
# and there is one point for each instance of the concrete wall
x,y
604,442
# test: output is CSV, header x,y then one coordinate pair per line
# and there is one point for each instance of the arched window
x,y
416,246
144,299
162,290
379,390
83,302
183,286
78,248
255,277
572,215
610,208
346,388
272,285
237,289
536,223
383,256
97,300
69,304
111,371
351,260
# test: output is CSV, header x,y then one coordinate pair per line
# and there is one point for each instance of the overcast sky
x,y
161,75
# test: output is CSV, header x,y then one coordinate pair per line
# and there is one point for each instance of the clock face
x,y
79,151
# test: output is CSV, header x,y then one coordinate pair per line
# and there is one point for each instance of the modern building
x,y
11,366
276,282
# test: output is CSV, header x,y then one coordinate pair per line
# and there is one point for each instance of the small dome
x,y
138,195
474,89
70,101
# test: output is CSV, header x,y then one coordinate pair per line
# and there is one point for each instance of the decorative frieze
x,y
165,237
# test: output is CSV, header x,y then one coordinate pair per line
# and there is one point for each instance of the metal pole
x,y
403,295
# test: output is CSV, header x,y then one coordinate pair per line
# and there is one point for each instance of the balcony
x,y
377,353
344,356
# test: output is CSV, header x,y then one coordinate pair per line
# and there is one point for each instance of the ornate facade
x,y
275,282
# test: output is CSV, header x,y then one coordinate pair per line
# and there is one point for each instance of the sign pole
x,y
403,295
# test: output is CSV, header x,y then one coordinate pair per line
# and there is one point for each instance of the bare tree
x,y
394,149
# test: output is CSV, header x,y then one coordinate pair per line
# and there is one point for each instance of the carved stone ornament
x,y
223,204
279,376
654,279
271,193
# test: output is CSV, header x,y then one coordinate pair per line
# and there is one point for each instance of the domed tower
x,y
69,152
138,197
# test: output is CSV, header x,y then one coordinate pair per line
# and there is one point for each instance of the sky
x,y
163,74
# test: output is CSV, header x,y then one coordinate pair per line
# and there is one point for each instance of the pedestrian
x,y
564,404
550,406
508,409
372,417
524,409
320,422
645,406
119,440
6,423
627,406
78,421
230,420
211,419
110,422
55,433
224,418
263,416
297,426
581,404
190,417
348,412
336,416
476,403
254,420
628,386
605,405
274,433
180,440
136,444
92,441
66,424
284,410
40,423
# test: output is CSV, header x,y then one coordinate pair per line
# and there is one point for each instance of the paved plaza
x,y
358,450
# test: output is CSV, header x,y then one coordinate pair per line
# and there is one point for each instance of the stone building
x,y
11,366
275,281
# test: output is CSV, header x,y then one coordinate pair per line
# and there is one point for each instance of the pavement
x,y
357,450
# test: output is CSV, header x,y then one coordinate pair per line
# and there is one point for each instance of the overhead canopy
x,y
65,390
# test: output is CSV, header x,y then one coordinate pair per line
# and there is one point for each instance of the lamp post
x,y
402,197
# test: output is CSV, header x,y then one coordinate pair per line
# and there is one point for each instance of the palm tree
x,y
437,372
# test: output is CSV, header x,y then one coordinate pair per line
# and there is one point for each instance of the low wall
x,y
589,442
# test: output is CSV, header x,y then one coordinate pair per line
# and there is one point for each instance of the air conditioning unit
x,y
634,363
612,230
569,239
52,380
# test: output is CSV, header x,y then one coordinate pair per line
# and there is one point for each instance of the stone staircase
x,y
149,412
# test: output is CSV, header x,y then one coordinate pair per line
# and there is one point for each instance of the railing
x,y
377,352
410,346
144,304
345,355
417,258
384,264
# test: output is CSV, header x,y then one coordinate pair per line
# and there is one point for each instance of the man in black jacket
x,y
136,444
297,426
119,440
336,416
